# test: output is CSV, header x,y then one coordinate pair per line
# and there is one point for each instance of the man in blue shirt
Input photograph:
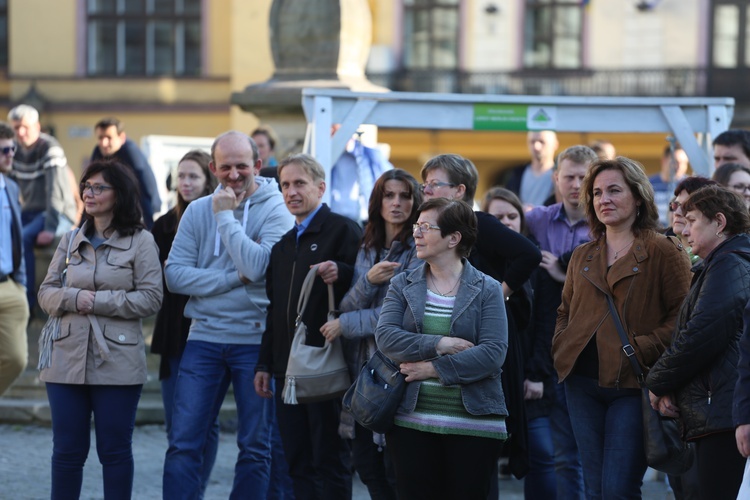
x,y
14,309
559,229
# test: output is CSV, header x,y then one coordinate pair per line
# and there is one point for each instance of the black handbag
x,y
374,397
662,436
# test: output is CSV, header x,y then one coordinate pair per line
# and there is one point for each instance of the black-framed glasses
x,y
424,227
740,188
674,205
8,150
96,189
433,185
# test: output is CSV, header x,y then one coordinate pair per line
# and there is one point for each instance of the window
x,y
553,34
431,34
144,37
3,33
731,34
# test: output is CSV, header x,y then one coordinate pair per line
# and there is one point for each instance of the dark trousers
x,y
114,408
430,466
373,465
317,457
720,466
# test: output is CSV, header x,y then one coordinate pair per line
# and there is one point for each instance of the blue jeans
x,y
568,470
212,442
205,372
539,482
114,408
609,431
33,224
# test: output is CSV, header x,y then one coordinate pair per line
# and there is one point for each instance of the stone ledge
x,y
36,411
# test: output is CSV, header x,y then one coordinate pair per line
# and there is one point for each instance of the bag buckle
x,y
629,350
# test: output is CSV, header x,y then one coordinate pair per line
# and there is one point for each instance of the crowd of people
x,y
502,320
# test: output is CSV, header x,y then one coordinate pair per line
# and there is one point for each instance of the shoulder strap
x,y
304,294
628,349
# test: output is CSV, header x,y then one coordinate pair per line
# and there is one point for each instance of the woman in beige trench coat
x,y
97,362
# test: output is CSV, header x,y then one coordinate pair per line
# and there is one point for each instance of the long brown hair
x,y
374,237
202,159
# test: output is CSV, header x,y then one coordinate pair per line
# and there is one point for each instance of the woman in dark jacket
x,y
194,180
538,383
695,377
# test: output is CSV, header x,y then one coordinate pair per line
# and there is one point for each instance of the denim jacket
x,y
478,316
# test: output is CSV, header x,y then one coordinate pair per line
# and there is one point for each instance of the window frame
x,y
743,38
434,39
549,36
150,20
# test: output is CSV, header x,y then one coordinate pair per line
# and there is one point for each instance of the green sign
x,y
500,117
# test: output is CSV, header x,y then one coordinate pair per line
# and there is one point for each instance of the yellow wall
x,y
219,42
42,37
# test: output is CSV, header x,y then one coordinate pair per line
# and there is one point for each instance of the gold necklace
x,y
438,291
616,251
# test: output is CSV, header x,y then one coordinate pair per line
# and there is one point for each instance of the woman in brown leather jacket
x,y
647,275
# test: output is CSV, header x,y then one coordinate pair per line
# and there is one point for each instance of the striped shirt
x,y
440,409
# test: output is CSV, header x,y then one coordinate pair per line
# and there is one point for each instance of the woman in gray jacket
x,y
445,325
387,249
98,361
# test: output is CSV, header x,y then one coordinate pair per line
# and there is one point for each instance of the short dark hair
x,y
724,172
127,217
454,216
667,152
110,121
647,215
712,200
692,183
6,131
375,229
732,137
268,132
460,170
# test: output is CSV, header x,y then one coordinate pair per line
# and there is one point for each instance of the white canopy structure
x,y
693,121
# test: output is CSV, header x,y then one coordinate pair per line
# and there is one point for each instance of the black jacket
x,y
741,410
700,365
511,258
329,236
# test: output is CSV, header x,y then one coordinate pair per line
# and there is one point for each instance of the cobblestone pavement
x,y
25,452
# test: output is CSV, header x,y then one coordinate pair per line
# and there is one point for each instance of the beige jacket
x,y
126,275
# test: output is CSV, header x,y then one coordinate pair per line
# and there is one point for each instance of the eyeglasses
x,y
740,188
674,205
433,185
96,189
8,150
424,227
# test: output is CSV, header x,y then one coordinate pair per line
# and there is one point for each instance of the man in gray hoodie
x,y
219,258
